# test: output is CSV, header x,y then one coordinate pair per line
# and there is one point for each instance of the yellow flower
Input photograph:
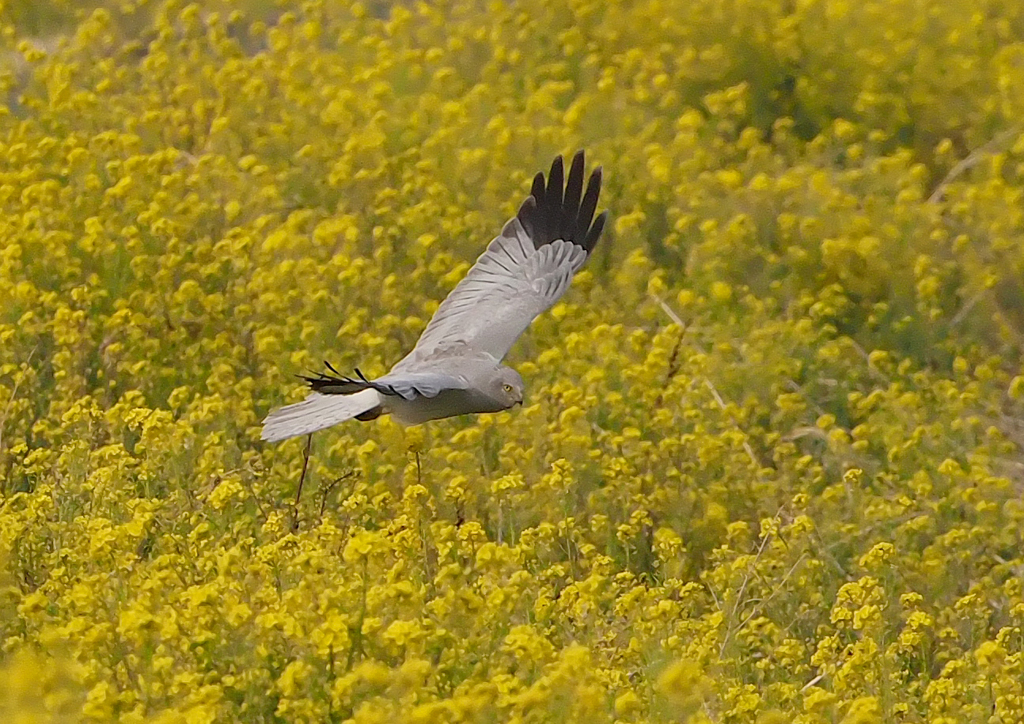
x,y
683,683
792,356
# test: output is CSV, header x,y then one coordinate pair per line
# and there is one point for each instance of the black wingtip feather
x,y
587,207
573,192
559,208
537,191
556,184
527,213
336,383
595,232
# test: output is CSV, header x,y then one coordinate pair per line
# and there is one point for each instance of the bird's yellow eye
x,y
508,388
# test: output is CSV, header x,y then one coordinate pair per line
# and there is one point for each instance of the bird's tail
x,y
317,412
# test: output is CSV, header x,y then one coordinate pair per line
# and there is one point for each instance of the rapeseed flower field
x,y
770,467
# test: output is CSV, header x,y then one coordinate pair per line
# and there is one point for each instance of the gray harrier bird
x,y
456,367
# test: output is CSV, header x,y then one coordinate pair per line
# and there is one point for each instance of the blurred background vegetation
x,y
770,464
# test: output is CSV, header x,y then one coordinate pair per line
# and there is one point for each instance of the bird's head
x,y
508,387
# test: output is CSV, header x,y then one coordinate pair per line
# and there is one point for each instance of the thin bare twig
x,y
252,494
867,359
14,394
707,382
761,604
673,359
746,445
669,311
812,682
743,589
792,384
711,590
326,491
966,309
971,160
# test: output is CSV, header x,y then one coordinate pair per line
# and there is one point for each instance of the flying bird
x,y
455,367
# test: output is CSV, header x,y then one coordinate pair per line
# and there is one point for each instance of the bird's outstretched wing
x,y
318,411
526,269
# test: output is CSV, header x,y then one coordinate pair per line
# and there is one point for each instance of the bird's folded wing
x,y
526,269
410,385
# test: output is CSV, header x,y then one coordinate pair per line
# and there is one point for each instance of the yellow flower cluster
x,y
769,468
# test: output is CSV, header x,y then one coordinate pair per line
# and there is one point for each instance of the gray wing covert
x,y
410,385
526,269
417,377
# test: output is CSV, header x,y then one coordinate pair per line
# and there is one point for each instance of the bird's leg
x,y
302,479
